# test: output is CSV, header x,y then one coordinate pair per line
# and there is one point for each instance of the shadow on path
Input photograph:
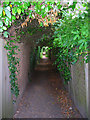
x,y
39,99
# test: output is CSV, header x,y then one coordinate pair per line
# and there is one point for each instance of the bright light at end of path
x,y
44,56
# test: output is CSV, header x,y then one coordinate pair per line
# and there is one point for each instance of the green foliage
x,y
7,11
1,11
71,39
6,34
13,63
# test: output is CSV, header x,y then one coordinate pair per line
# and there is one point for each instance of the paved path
x,y
38,100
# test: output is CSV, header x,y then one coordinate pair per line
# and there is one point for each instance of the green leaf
x,y
80,47
1,11
4,28
13,17
1,23
30,15
8,8
59,7
19,11
12,36
6,20
1,30
41,24
43,15
6,34
86,45
7,13
25,5
46,9
22,10
76,36
43,7
81,41
6,2
14,10
73,6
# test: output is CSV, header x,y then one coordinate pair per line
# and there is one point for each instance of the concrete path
x,y
38,100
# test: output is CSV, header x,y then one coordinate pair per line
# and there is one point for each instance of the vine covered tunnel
x,y
53,81
32,63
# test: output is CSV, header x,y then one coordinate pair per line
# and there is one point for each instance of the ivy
x,y
12,61
6,34
70,39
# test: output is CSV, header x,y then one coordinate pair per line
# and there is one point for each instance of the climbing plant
x,y
70,41
13,61
70,35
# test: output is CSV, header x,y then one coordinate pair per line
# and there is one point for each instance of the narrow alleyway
x,y
40,97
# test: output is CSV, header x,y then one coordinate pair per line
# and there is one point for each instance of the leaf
x,y
19,11
43,7
8,8
4,28
46,9
80,47
59,7
6,21
6,34
25,5
1,23
10,5
1,30
86,45
7,12
41,24
1,11
73,6
76,36
22,10
80,41
14,11
13,17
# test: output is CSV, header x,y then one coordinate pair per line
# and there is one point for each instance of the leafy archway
x,y
70,39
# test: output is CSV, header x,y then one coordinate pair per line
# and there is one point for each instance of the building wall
x,y
0,78
88,90
78,87
6,106
24,67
